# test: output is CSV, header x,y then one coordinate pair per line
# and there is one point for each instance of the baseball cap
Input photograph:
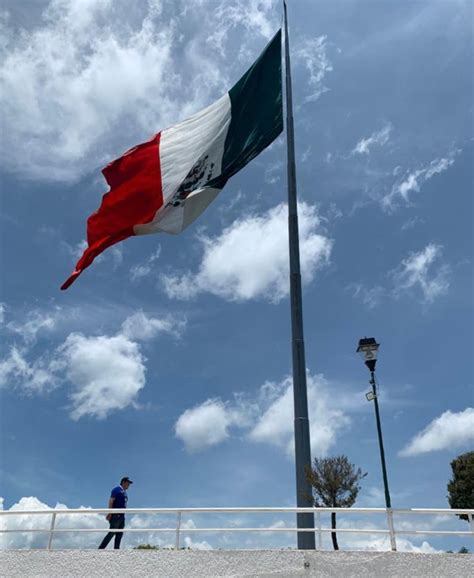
x,y
126,479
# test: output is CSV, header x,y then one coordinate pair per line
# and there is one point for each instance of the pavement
x,y
231,563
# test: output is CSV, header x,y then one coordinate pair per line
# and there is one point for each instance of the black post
x,y
379,431
300,396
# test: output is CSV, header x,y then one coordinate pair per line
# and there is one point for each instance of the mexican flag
x,y
164,184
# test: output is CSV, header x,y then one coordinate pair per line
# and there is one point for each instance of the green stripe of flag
x,y
256,111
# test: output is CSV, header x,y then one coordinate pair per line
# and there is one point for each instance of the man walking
x,y
118,499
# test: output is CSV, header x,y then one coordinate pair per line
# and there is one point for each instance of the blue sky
x,y
169,359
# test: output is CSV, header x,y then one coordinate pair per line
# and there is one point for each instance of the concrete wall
x,y
248,563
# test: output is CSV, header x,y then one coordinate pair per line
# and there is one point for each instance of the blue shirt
x,y
120,497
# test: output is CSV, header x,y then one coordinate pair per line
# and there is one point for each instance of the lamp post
x,y
368,348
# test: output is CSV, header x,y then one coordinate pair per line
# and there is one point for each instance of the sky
x,y
169,360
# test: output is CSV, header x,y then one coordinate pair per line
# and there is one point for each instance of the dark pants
x,y
116,522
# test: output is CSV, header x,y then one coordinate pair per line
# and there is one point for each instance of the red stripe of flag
x,y
134,197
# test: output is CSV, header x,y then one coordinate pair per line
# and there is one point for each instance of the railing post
x,y
178,526
471,523
320,534
51,530
391,529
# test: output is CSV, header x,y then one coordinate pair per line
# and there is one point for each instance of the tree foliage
x,y
461,487
152,547
336,484
462,550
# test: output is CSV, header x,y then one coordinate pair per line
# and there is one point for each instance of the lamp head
x,y
368,348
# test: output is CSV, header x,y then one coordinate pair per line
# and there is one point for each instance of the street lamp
x,y
368,348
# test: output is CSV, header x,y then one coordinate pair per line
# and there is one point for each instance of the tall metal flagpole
x,y
302,443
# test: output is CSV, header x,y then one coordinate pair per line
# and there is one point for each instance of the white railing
x,y
178,530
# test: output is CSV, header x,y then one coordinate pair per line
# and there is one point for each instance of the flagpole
x,y
300,395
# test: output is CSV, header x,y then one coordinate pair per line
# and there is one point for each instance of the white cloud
x,y
380,137
413,181
92,79
90,540
195,545
84,520
27,540
36,321
140,327
273,172
77,250
377,544
16,371
249,259
106,373
180,286
306,155
448,431
412,223
145,268
418,270
371,497
116,253
267,418
370,297
258,17
2,313
88,80
313,54
275,425
405,545
205,425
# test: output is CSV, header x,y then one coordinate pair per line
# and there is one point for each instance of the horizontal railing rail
x,y
179,529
